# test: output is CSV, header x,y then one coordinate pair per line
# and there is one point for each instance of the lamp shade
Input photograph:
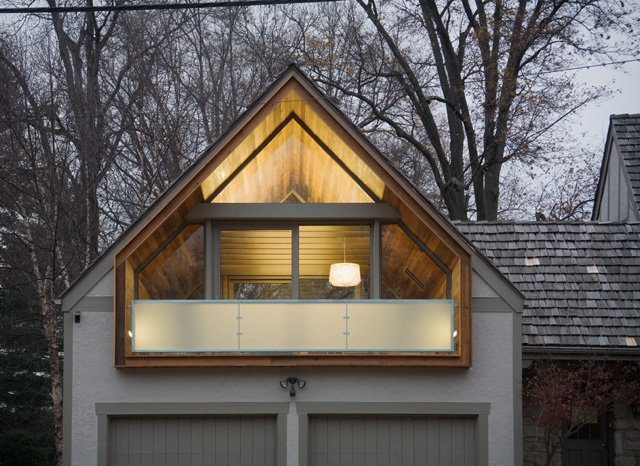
x,y
344,274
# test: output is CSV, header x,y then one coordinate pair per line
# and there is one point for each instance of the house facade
x,y
618,193
227,325
581,288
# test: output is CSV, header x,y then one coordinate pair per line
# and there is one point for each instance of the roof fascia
x,y
498,282
531,353
101,266
604,170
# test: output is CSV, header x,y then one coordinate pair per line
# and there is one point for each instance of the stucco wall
x,y
490,380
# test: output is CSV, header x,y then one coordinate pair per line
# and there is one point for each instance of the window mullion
x,y
214,260
295,261
374,261
209,259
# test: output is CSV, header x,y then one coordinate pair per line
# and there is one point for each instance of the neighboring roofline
x,y
101,266
604,167
530,353
552,222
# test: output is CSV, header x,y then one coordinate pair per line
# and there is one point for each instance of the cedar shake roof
x,y
581,281
627,134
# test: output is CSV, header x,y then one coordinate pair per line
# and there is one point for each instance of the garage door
x,y
382,441
191,441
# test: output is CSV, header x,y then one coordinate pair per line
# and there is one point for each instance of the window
x,y
175,270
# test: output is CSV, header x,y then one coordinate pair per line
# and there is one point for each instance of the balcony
x,y
278,327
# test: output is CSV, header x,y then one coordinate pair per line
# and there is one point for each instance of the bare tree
x,y
34,205
470,85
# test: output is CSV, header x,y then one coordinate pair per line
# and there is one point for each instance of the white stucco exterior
x,y
492,379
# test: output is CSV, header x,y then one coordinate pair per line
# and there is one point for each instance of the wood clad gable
x,y
294,147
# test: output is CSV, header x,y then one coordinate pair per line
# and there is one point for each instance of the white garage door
x,y
387,441
191,441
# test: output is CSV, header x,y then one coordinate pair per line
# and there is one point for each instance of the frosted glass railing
x,y
292,326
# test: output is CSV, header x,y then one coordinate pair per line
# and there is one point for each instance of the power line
x,y
595,65
475,81
155,6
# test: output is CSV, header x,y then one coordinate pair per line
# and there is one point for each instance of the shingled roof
x,y
627,134
581,281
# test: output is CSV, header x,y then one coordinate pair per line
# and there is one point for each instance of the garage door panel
x,y
445,443
192,441
391,441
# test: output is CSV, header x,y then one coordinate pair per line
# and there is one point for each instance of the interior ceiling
x,y
292,163
292,104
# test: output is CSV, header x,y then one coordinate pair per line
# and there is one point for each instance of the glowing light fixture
x,y
344,273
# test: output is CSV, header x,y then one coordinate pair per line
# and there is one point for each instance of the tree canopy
x,y
100,111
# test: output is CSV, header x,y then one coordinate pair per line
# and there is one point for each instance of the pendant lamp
x,y
344,273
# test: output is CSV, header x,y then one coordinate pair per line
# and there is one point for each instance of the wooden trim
x,y
400,360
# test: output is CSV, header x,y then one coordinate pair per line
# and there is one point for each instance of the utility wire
x,y
154,6
586,67
222,107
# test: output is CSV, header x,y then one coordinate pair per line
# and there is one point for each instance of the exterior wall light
x,y
292,381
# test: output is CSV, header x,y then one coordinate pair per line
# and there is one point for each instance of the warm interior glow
x,y
344,274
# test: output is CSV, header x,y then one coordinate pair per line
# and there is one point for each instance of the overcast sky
x,y
593,120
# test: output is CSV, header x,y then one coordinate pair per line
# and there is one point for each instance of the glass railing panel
x,y
292,326
401,326
308,326
184,326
